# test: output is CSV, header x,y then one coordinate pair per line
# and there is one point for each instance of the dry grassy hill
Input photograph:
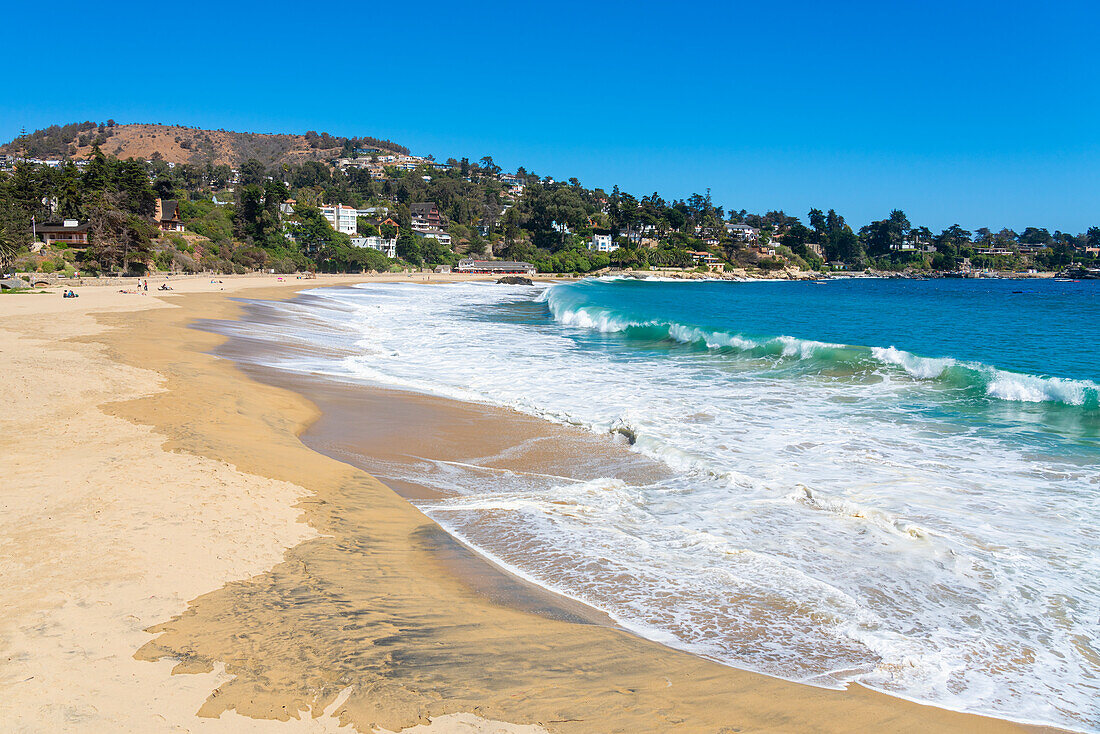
x,y
178,144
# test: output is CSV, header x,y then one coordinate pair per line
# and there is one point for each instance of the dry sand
x,y
174,559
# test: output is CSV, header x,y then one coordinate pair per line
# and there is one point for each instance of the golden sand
x,y
176,559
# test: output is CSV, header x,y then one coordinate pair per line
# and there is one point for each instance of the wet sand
x,y
374,615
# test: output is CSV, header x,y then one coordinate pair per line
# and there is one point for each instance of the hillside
x,y
178,144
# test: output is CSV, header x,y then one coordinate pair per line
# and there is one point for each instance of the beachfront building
x,y
437,234
166,212
69,233
425,216
914,242
602,242
386,247
494,267
742,232
708,259
341,217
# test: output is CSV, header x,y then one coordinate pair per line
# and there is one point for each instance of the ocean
x,y
891,482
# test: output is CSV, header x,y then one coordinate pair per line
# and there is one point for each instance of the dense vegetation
x,y
237,221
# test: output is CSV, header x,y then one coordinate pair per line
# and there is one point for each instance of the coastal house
x,y
513,184
437,234
387,247
375,222
287,207
70,233
708,259
494,267
637,234
993,248
341,217
166,213
602,242
743,232
914,242
425,216
409,162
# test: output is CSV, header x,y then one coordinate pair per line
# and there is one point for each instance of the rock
x,y
624,430
13,284
515,280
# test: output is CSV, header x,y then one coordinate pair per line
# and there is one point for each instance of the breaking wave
x,y
974,377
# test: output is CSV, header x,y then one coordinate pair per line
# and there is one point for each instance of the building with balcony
x,y
341,217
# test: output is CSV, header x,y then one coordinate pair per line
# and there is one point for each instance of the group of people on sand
x,y
70,293
143,288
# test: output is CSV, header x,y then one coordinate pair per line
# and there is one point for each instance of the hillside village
x,y
185,200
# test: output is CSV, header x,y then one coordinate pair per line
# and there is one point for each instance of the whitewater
x,y
883,482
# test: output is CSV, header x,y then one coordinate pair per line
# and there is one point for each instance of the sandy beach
x,y
176,559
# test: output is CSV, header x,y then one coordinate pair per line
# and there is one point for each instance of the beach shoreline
x,y
331,600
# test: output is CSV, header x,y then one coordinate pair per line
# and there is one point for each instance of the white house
x,y
494,267
743,232
601,242
437,234
342,218
386,247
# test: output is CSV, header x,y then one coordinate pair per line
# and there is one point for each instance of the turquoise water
x,y
1022,341
1042,327
891,482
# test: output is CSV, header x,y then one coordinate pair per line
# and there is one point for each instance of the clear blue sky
x,y
982,113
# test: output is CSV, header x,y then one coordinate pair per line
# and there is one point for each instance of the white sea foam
x,y
922,368
807,528
1033,389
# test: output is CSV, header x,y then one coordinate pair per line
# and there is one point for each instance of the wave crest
x,y
986,380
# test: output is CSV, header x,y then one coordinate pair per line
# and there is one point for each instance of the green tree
x,y
312,231
408,249
252,172
117,239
